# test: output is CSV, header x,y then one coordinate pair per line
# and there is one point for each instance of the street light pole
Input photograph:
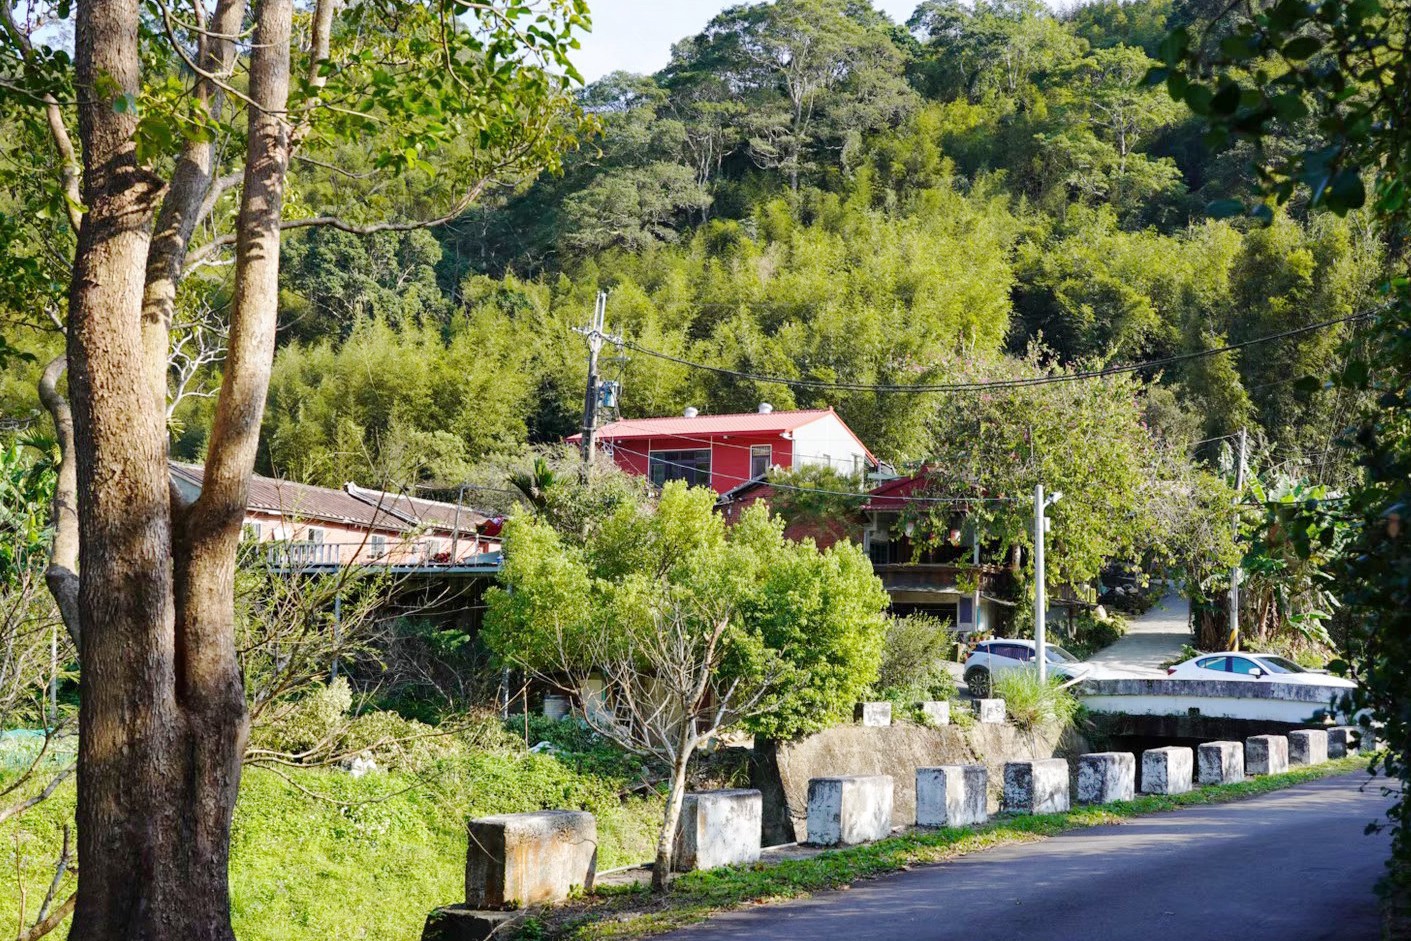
x,y
1040,602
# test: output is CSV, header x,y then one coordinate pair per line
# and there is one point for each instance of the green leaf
x,y
1227,99
1224,208
1301,47
1308,385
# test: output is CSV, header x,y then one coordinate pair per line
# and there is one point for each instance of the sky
x,y
636,35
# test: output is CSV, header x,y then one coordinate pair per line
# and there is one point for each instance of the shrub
x,y
914,657
1030,703
1093,631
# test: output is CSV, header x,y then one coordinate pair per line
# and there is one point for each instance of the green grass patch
x,y
695,896
370,857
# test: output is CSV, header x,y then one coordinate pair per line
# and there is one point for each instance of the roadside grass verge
x,y
619,913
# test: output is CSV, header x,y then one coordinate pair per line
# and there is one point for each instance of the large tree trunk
x,y
129,722
162,716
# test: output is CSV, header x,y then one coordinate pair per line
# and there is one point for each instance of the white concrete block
x,y
1167,770
1308,747
1036,787
1342,741
873,713
850,809
517,860
1104,777
951,796
935,713
1220,763
990,710
1266,754
719,828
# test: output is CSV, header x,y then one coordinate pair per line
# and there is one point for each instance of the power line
x,y
997,383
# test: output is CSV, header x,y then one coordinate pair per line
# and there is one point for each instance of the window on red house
x,y
690,466
759,460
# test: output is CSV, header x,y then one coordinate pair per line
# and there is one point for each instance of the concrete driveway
x,y
1152,639
1294,865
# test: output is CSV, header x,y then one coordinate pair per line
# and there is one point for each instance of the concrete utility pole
x,y
1040,599
1041,505
1234,642
596,336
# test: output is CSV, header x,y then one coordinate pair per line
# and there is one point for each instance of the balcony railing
x,y
296,554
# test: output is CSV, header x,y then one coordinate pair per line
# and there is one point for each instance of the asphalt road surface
x,y
1293,865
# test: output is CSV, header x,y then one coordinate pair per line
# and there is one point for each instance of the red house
x,y
725,451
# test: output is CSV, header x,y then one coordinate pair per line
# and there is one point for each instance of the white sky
x,y
636,35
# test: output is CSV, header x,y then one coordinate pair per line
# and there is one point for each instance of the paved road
x,y
1152,639
1289,866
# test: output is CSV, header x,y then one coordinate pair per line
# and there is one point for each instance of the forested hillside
x,y
812,191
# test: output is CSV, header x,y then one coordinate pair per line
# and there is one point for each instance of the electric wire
x,y
980,386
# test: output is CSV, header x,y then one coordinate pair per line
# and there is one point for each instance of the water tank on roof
x,y
691,411
765,408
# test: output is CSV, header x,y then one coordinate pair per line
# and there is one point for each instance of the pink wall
x,y
344,544
729,459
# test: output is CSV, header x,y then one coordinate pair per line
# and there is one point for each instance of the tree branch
x,y
63,143
62,574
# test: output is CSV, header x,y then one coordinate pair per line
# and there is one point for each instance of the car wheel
x,y
978,681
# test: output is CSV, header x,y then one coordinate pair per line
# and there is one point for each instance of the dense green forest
x,y
810,190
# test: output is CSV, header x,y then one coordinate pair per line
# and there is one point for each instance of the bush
x,y
1093,631
1030,703
914,657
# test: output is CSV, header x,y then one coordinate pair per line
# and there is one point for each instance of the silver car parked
x,y
991,657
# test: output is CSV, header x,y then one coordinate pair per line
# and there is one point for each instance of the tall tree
x,y
144,580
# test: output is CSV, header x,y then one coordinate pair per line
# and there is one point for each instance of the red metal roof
x,y
893,494
735,424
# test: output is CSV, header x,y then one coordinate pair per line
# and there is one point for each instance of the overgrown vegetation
x,y
915,652
1029,703
319,853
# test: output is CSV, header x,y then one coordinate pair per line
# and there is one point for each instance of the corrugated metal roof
x,y
738,423
374,509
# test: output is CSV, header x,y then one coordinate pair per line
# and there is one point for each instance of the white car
x,y
1001,654
1253,667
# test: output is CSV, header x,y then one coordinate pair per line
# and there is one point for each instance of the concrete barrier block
x,y
1036,787
990,710
935,713
719,828
458,923
1220,763
518,860
1266,754
1167,770
1342,741
873,713
1104,777
951,796
850,809
1308,747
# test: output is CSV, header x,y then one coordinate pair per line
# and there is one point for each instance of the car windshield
x,y
1280,665
1059,654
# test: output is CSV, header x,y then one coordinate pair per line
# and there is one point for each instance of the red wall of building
x,y
729,458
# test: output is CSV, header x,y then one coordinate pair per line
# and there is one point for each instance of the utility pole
x,y
595,335
1041,505
1234,641
1040,601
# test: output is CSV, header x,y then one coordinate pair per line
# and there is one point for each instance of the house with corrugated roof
x,y
951,574
323,527
725,451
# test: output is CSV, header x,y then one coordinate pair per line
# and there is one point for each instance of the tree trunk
x,y
162,718
666,840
